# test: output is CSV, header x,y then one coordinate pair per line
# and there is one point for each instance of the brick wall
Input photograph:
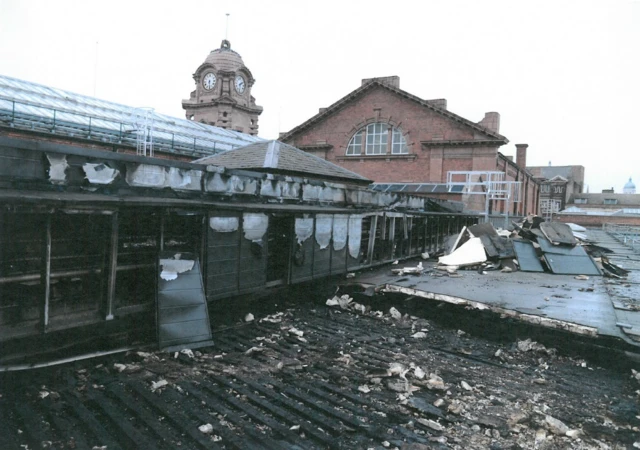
x,y
427,163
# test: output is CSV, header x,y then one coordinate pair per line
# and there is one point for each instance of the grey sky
x,y
564,75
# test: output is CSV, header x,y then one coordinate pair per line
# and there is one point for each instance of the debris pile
x,y
534,246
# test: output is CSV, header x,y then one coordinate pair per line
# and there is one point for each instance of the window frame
x,y
377,139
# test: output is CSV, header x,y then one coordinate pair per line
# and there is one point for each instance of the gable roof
x,y
374,83
278,157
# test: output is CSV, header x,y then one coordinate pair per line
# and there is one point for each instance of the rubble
x,y
358,381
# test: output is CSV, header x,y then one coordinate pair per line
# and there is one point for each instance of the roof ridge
x,y
373,83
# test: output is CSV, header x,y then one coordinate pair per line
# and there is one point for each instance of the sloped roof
x,y
278,157
374,83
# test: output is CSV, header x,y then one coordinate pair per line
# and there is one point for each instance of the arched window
x,y
374,139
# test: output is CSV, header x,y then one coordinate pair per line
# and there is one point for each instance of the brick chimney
x,y
491,121
393,81
521,155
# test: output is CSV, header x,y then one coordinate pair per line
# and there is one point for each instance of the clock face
x,y
239,84
209,81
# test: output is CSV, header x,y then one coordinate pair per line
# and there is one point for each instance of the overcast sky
x,y
564,75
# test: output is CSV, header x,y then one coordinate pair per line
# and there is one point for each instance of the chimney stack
x,y
491,121
521,155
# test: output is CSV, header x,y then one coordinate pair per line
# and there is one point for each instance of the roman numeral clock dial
x,y
209,81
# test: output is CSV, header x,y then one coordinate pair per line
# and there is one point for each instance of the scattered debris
x,y
155,385
206,428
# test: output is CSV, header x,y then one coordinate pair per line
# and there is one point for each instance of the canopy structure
x,y
45,109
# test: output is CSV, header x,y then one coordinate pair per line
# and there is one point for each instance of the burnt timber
x,y
82,228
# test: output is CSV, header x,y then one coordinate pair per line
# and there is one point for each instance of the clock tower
x,y
223,93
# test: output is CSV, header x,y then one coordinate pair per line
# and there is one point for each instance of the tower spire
x,y
226,31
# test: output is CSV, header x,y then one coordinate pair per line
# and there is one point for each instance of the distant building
x,y
629,188
605,207
223,93
408,144
557,185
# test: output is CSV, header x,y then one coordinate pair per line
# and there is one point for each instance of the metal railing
x,y
101,129
626,234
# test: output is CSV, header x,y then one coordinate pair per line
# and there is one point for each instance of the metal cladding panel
x,y
321,261
183,317
548,247
571,265
222,263
527,258
253,262
338,261
302,264
21,163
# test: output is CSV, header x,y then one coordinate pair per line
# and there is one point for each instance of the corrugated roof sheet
x,y
24,100
277,156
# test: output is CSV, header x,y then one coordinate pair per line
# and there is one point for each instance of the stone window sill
x,y
369,157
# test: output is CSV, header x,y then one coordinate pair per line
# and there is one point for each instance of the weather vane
x,y
226,33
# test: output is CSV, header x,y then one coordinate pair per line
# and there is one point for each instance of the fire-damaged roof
x,y
278,157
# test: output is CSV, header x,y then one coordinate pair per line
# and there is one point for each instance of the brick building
x,y
409,144
557,185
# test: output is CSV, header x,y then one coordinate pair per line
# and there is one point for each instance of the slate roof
x,y
278,157
432,105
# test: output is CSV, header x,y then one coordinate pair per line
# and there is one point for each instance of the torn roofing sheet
x,y
324,225
340,226
558,233
99,173
304,228
468,254
58,168
224,224
254,226
527,257
355,235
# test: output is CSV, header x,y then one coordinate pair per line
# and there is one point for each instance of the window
x,y
355,145
375,140
399,145
580,201
610,201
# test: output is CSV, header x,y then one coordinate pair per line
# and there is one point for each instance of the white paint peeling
x,y
289,189
355,235
224,224
146,175
183,180
174,266
58,168
340,226
99,173
270,188
216,183
254,226
324,224
304,228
